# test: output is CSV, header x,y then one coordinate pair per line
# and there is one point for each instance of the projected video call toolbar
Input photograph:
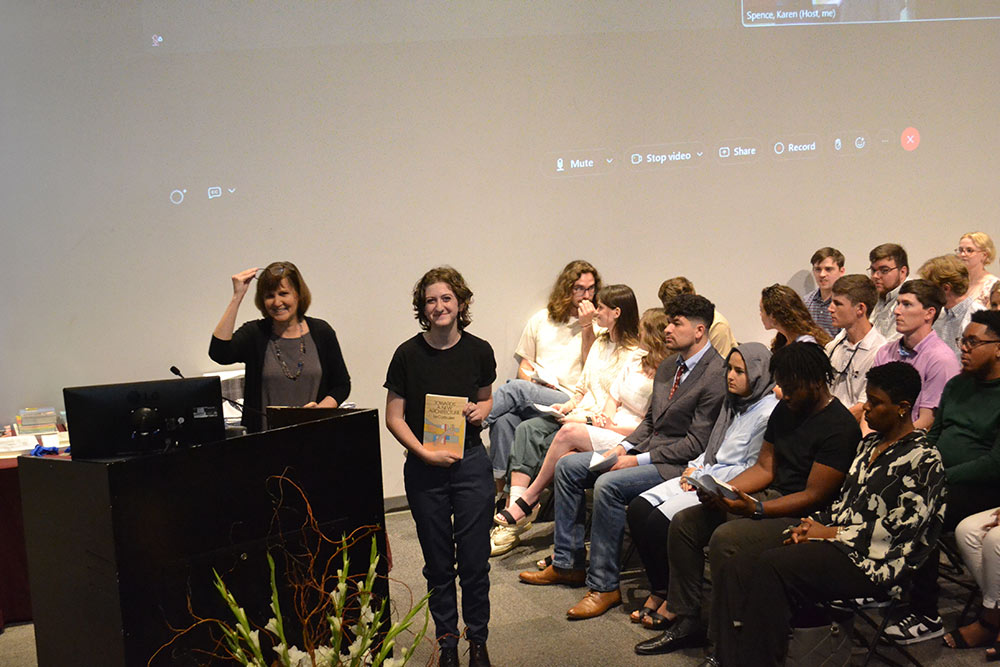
x,y
740,150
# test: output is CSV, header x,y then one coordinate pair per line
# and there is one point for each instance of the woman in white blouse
x,y
977,251
599,429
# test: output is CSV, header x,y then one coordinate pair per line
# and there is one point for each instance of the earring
x,y
901,414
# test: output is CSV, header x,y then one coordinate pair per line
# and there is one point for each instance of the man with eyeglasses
x,y
889,269
967,433
852,352
917,307
550,356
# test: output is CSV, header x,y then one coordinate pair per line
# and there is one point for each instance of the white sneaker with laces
x,y
505,538
914,628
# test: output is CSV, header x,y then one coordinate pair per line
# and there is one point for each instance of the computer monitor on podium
x,y
116,420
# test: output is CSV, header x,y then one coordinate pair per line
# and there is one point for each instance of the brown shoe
x,y
554,575
594,604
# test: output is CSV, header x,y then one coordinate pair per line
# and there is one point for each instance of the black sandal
x,y
961,642
655,621
639,614
508,518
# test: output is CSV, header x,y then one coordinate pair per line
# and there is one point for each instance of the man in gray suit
x,y
688,391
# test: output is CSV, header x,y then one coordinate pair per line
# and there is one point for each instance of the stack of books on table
x,y
33,421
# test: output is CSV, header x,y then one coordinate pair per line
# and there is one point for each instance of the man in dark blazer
x,y
688,391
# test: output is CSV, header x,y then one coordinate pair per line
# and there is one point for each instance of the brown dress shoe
x,y
554,575
594,604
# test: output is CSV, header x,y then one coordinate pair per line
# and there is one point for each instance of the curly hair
x,y
783,305
561,299
454,280
270,279
651,327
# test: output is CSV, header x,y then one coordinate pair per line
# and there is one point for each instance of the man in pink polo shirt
x,y
917,307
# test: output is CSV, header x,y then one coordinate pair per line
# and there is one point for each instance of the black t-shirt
x,y
417,369
829,437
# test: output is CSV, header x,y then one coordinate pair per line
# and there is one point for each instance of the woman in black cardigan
x,y
290,359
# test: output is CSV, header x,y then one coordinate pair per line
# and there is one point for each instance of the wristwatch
x,y
590,420
758,511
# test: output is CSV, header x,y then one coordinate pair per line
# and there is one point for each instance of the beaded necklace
x,y
281,362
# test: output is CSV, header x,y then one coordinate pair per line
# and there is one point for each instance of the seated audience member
x,y
827,268
809,444
720,335
882,525
950,274
967,433
995,297
977,251
889,269
556,339
732,448
782,309
600,429
978,538
853,350
687,397
917,307
618,313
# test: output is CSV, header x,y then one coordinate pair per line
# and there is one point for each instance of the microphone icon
x,y
559,165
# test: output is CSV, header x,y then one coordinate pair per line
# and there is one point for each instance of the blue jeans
x,y
613,491
512,404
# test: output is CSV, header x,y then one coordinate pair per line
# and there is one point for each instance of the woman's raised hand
x,y
241,281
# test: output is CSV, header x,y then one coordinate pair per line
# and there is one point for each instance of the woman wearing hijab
x,y
732,447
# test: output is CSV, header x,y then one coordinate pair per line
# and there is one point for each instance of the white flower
x,y
255,637
324,655
298,658
367,616
335,623
272,626
357,647
394,662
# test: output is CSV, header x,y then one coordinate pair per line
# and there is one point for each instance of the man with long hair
x,y
550,357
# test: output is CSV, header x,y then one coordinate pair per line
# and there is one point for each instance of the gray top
x,y
276,387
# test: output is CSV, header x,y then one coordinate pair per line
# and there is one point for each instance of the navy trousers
x,y
453,510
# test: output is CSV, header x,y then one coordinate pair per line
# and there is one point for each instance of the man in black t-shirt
x,y
810,442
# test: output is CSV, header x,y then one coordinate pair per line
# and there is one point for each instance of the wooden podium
x,y
116,548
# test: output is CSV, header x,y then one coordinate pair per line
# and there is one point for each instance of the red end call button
x,y
910,139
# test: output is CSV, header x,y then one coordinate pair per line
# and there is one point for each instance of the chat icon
x,y
214,191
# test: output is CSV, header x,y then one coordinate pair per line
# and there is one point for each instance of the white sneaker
x,y
505,538
914,628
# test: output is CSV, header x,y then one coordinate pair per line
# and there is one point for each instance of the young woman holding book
x,y
450,495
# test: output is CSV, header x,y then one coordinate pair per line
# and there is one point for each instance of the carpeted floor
x,y
528,624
